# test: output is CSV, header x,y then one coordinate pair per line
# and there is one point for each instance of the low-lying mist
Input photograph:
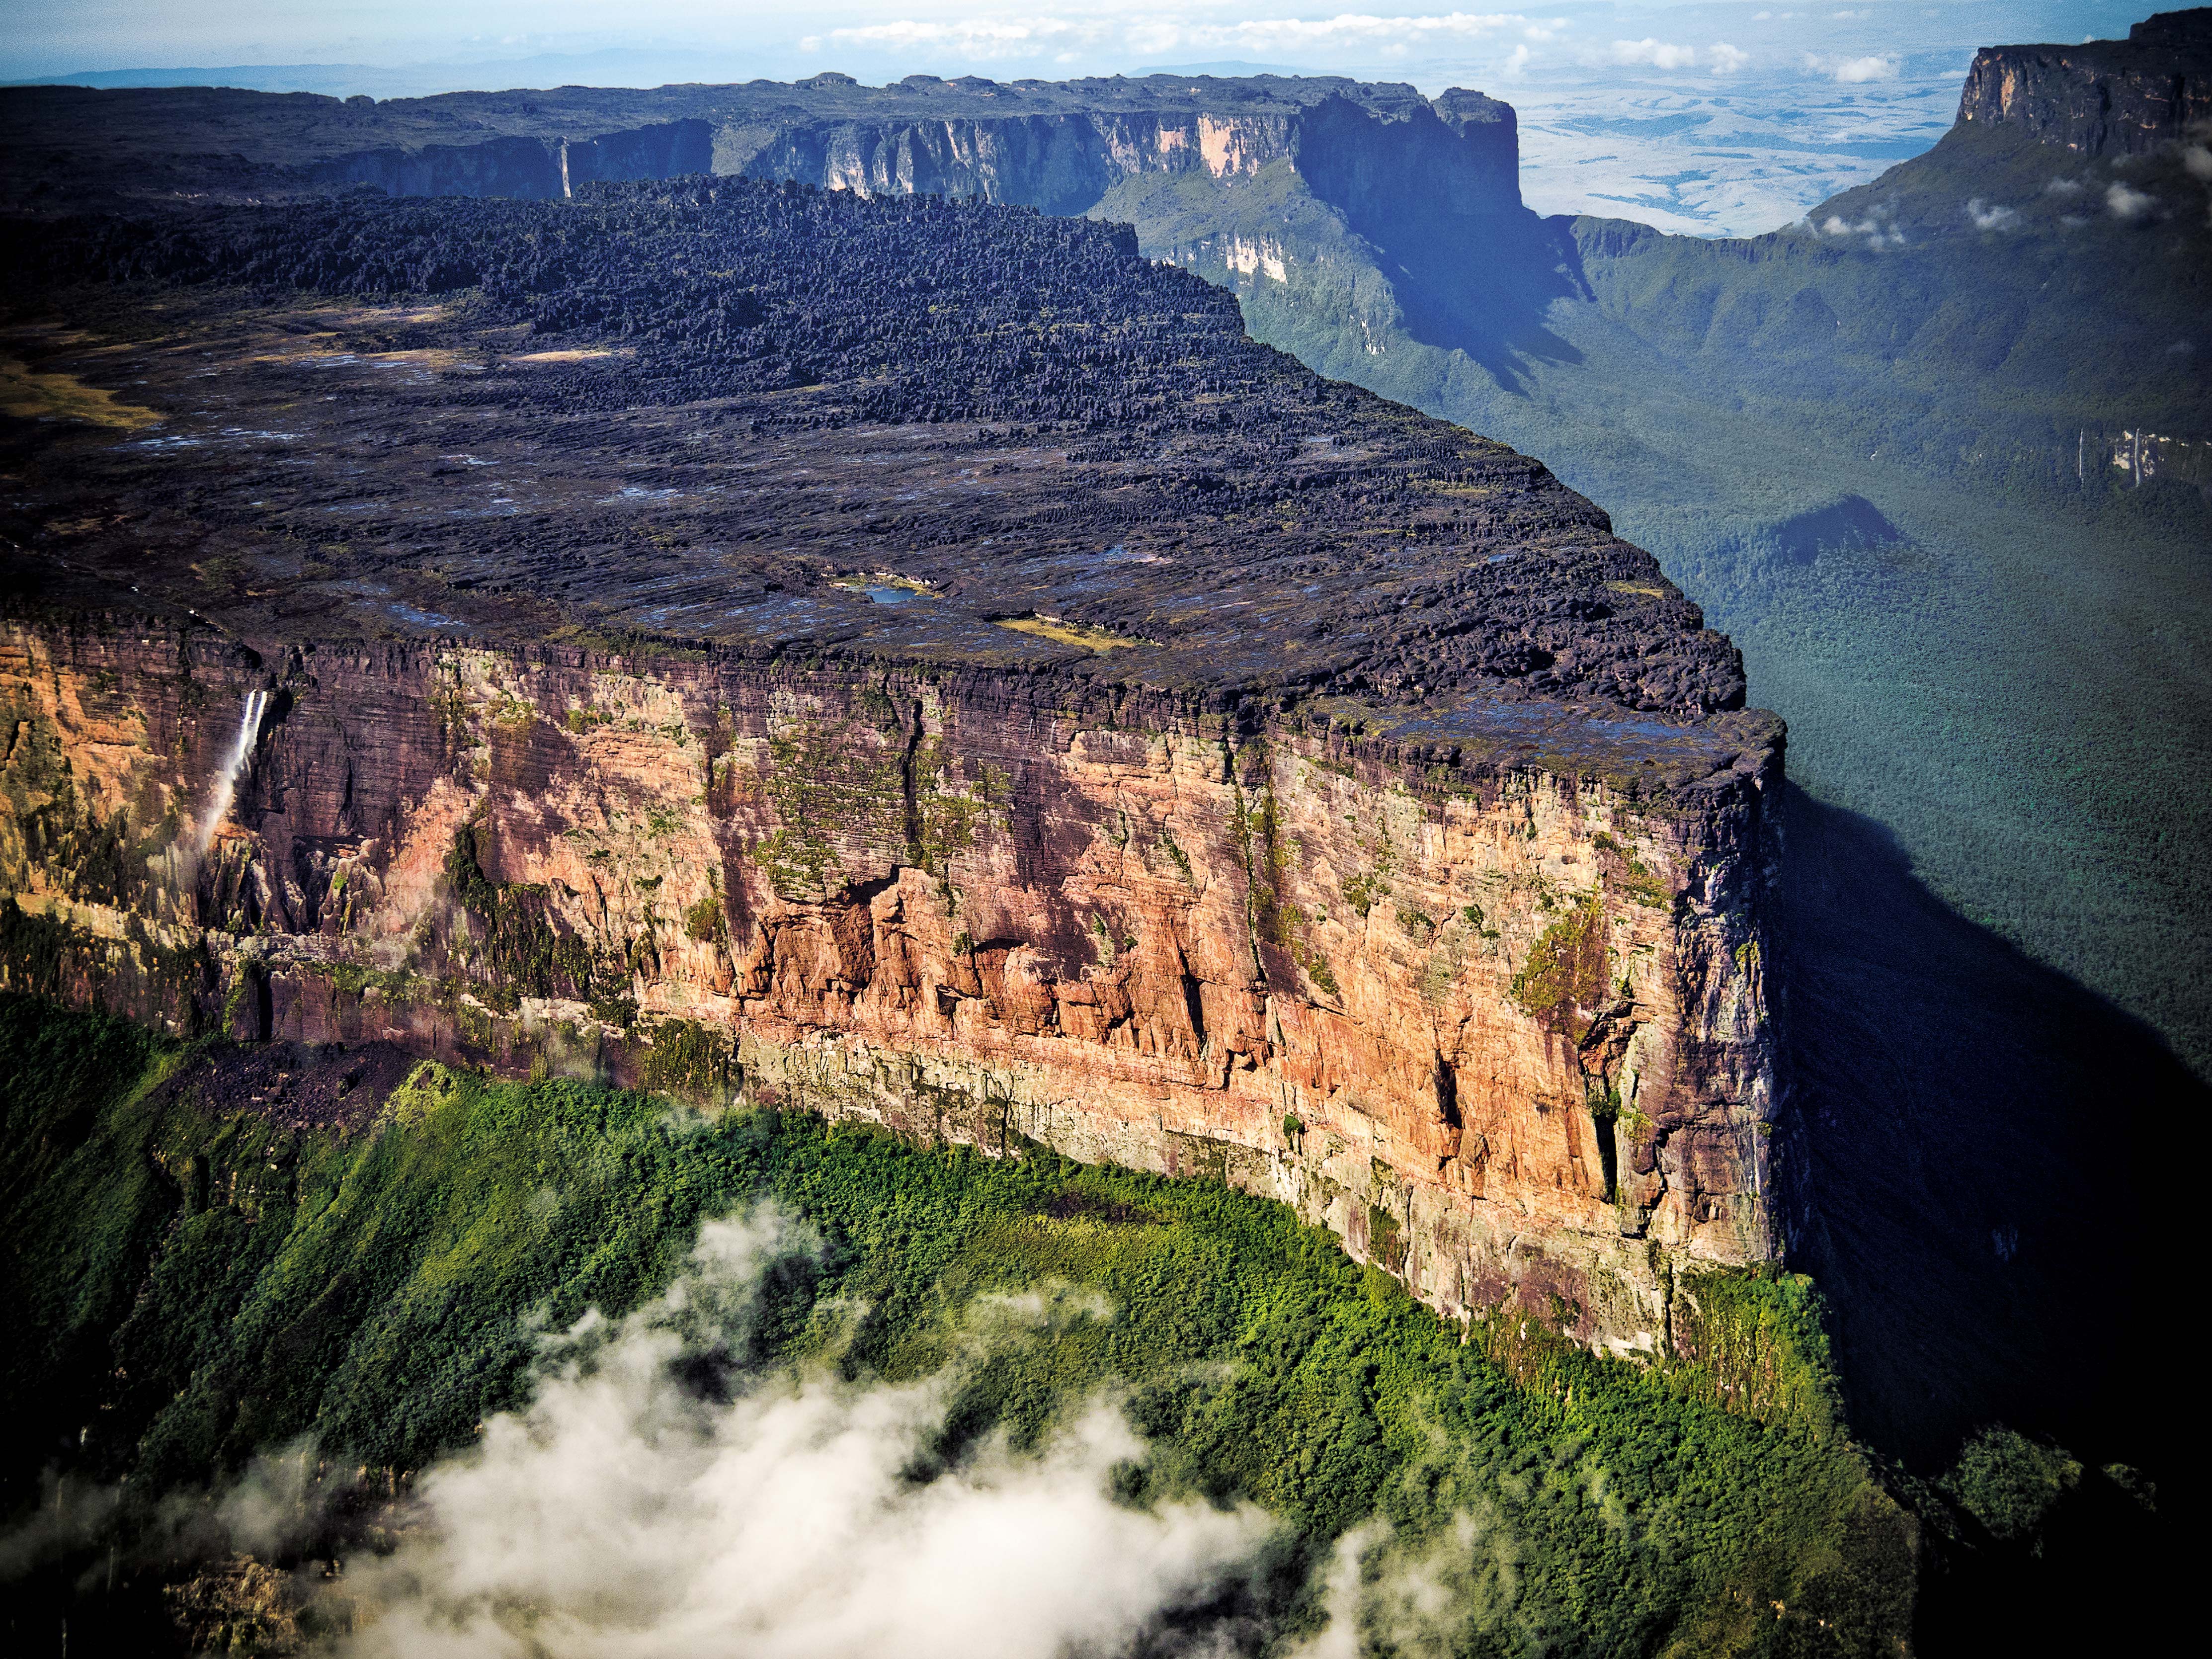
x,y
1014,1407
655,1497
670,1489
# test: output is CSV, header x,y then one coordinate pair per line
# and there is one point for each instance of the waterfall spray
x,y
226,785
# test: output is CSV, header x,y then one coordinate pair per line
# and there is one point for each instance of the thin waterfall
x,y
225,786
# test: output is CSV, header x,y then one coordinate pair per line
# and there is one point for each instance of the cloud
x,y
1016,35
1879,233
1659,54
967,37
2198,159
2065,188
1454,1592
2128,203
1854,69
277,1498
629,1510
1988,215
69,1515
1722,58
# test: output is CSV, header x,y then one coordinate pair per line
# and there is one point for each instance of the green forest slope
x,y
193,1285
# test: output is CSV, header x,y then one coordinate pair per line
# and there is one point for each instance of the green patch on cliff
x,y
51,826
948,813
1755,1341
1386,1241
688,1058
1273,916
1564,975
830,785
703,922
522,953
193,1284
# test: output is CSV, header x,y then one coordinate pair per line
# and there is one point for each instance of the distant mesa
x,y
2123,97
1228,68
1060,147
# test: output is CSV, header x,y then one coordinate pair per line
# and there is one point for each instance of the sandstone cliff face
x,y
1459,155
1059,163
1502,1027
537,169
1105,733
2103,97
1060,148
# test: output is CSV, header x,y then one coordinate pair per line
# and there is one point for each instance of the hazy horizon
x,y
879,40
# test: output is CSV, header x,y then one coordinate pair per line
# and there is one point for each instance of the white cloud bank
x,y
1720,58
1660,54
1458,1590
1853,71
2128,203
621,1515
651,1503
1016,35
1880,231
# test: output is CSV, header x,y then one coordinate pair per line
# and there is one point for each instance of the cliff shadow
x,y
1472,268
1990,1145
1484,285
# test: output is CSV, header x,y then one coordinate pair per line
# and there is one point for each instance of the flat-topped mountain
x,y
2101,97
1059,146
919,662
744,621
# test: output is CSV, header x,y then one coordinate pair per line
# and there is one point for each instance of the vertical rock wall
x,y
2102,97
1503,1028
1459,156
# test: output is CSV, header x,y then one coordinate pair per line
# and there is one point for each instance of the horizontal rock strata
x,y
1501,1027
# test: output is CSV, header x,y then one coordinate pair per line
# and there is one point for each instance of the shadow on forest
x,y
1988,1143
